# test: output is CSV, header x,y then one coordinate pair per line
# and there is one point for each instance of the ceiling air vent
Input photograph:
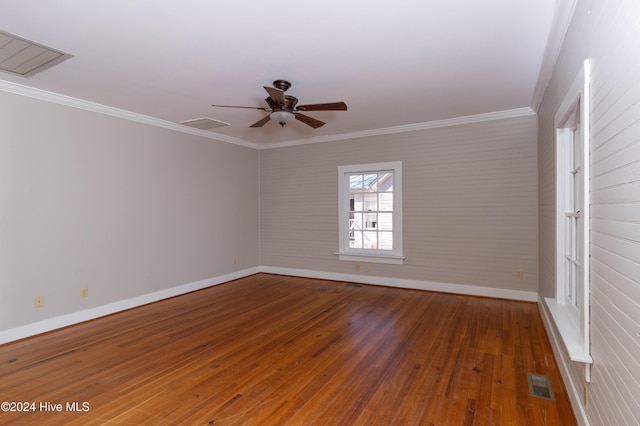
x,y
204,123
26,58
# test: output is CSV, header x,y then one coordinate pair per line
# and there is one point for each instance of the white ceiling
x,y
394,63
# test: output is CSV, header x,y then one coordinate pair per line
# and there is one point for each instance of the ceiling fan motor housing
x,y
282,85
289,103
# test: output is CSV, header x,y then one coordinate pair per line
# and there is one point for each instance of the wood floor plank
x,y
270,349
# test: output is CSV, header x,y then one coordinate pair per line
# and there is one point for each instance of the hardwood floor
x,y
270,349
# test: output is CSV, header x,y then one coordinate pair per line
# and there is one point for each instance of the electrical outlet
x,y
39,302
366,268
234,260
357,267
519,275
84,292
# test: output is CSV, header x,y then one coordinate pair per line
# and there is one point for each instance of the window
x,y
370,212
570,307
571,185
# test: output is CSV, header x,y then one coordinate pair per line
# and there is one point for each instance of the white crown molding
x,y
43,95
559,27
469,119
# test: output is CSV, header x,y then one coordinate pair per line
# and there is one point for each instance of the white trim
x,y
561,20
585,319
356,257
449,122
573,325
569,331
66,320
56,98
50,324
43,95
470,290
575,396
376,256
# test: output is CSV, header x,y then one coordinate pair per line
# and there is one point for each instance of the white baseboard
x,y
111,308
575,396
89,314
471,290
50,324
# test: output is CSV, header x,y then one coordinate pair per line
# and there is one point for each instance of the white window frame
x,y
394,256
570,307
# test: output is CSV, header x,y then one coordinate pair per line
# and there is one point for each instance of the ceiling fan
x,y
283,108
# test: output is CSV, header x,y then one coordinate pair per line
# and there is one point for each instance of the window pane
x,y
357,222
385,182
358,202
386,240
371,202
355,182
567,280
385,221
568,237
576,279
370,240
356,241
578,240
370,221
371,182
386,201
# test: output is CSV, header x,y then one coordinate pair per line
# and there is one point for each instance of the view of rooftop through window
x,y
371,210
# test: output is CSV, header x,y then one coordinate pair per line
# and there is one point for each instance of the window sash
x,y
371,201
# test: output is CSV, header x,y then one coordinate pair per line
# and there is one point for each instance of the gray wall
x,y
470,203
120,207
607,32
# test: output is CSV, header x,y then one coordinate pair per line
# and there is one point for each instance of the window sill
x,y
355,257
569,332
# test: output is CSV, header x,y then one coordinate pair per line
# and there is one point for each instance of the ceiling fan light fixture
x,y
282,117
283,107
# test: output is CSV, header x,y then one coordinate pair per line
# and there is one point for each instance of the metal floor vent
x,y
26,58
353,285
540,386
204,123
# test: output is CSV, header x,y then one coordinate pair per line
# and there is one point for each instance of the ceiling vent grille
x,y
26,58
204,123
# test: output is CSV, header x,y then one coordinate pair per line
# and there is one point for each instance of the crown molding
x,y
43,95
469,119
559,27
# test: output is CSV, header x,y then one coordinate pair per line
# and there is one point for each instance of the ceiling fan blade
x,y
261,122
236,106
277,95
332,106
309,121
